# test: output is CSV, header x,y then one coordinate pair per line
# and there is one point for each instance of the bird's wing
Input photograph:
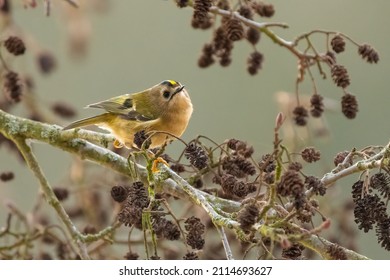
x,y
123,105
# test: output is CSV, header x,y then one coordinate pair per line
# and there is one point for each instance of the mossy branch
x,y
322,247
20,130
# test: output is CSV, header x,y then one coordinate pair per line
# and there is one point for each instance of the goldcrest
x,y
161,111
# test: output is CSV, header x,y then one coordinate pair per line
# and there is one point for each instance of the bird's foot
x,y
117,144
156,162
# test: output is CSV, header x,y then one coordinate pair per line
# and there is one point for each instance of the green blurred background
x,y
136,44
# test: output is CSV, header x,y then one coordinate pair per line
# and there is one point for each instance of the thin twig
x,y
326,32
225,242
321,246
49,193
263,27
72,3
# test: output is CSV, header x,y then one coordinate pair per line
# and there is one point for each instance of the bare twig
x,y
321,246
225,242
73,3
49,194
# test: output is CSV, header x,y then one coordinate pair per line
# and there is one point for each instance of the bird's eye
x,y
166,94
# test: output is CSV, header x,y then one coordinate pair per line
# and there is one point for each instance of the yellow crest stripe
x,y
170,83
173,83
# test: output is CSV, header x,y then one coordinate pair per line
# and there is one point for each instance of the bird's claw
x,y
117,144
156,162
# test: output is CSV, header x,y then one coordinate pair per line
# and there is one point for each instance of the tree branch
x,y
19,129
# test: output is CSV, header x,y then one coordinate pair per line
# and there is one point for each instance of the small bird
x,y
165,107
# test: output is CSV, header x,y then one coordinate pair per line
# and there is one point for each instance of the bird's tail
x,y
88,121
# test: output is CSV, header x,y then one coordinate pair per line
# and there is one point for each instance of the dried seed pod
x,y
63,110
195,229
206,23
201,10
233,28
61,193
119,193
236,145
227,183
267,163
340,75
383,233
336,252
368,53
263,9
5,8
252,35
182,3
232,186
205,61
15,45
191,256
208,50
137,199
238,166
131,256
178,167
248,216
12,86
316,185
295,166
225,59
290,184
310,154
368,211
349,105
245,11
338,44
89,229
254,62
7,176
340,157
196,155
357,190
305,209
140,137
46,62
223,4
300,115
220,41
294,252
300,201
317,105
381,182
165,228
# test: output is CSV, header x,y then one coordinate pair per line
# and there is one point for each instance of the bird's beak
x,y
179,89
